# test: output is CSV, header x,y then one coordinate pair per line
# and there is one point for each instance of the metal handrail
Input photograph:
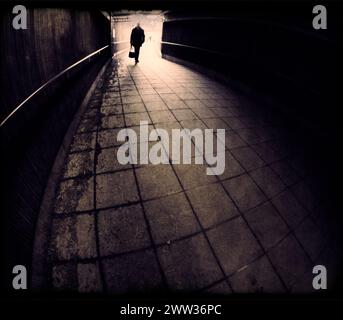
x,y
49,82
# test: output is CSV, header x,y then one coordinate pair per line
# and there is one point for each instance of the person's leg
x,y
137,53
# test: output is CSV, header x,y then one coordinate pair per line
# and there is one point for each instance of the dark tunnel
x,y
80,222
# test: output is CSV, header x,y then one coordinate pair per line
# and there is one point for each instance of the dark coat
x,y
137,37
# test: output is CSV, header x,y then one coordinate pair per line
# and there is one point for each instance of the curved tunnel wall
x,y
54,40
275,52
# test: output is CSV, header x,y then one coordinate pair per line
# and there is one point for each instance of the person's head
x,y
138,25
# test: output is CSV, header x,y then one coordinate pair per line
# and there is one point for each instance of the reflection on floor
x,y
258,227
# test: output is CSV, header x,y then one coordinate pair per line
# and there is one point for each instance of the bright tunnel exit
x,y
122,23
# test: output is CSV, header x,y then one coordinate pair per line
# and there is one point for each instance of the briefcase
x,y
131,54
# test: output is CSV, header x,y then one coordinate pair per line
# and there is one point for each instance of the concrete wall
x,y
55,39
271,49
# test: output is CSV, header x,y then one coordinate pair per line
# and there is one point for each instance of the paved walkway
x,y
256,228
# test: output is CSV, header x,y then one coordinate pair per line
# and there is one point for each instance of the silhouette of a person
x,y
137,39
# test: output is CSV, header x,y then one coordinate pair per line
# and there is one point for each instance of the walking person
x,y
137,39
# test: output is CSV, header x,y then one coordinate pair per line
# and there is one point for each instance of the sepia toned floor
x,y
259,227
